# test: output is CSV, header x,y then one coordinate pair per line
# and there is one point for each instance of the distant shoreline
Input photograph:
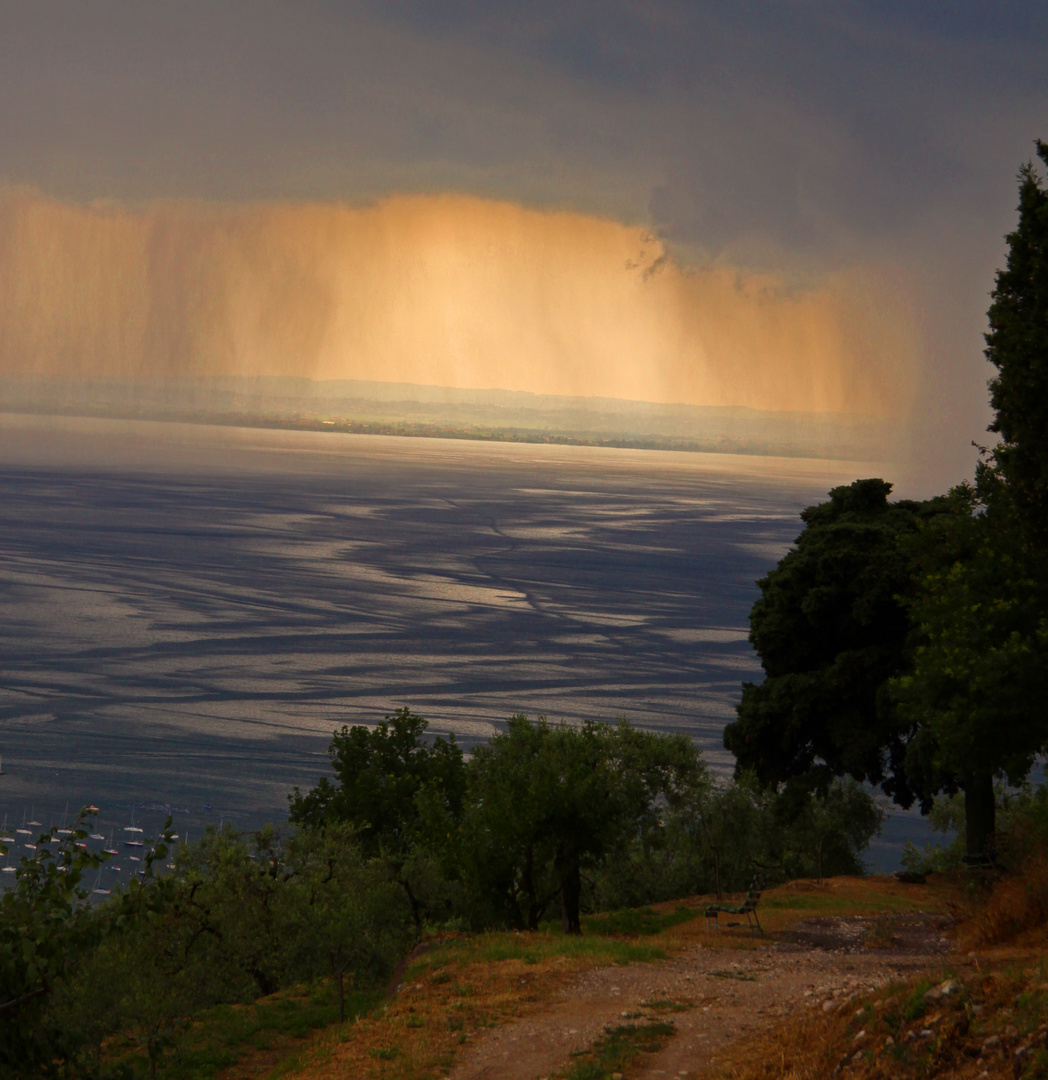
x,y
430,430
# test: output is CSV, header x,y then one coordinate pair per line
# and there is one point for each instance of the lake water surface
x,y
188,612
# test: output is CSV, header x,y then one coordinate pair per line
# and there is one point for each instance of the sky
x,y
791,205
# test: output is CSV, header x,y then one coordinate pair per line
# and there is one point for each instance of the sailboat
x,y
98,885
63,831
7,868
109,849
4,838
134,830
35,824
22,830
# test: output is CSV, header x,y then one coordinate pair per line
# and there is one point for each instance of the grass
x,y
234,1040
989,1024
639,922
619,1048
462,985
542,945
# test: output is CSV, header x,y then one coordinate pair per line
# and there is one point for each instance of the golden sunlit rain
x,y
446,290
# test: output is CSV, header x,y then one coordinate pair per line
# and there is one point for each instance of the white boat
x,y
22,830
109,849
132,828
35,824
63,831
4,838
98,885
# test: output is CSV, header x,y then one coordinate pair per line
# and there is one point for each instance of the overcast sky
x,y
801,138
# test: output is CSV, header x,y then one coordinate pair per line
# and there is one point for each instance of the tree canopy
x,y
546,802
831,628
906,643
1017,345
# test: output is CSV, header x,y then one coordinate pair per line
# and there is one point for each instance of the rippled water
x,y
189,612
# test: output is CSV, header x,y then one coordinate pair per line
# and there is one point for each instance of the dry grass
x,y
1017,907
449,995
986,1024
992,1022
460,987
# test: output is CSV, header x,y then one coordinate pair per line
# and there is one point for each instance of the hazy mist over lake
x,y
188,612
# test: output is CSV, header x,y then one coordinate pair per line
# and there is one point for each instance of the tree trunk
x,y
340,975
980,814
416,907
716,875
570,894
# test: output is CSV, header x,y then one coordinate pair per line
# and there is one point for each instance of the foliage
x,y
831,629
239,918
740,832
828,832
907,643
545,803
341,915
47,928
392,786
1017,345
619,1048
1022,824
978,671
571,819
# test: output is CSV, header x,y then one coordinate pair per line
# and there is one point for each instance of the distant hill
x,y
505,415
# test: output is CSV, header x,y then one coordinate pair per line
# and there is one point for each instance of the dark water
x,y
189,612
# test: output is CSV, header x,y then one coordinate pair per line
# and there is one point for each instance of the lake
x,y
189,612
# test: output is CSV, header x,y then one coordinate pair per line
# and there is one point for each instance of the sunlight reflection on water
x,y
188,612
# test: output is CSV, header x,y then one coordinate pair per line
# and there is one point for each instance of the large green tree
x,y
548,802
907,644
976,691
831,628
389,782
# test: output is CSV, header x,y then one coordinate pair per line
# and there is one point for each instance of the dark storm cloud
x,y
794,124
793,121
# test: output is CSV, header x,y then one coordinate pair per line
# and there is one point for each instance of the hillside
x,y
859,977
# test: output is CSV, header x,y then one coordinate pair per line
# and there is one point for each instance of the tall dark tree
x,y
907,644
973,697
1017,345
979,679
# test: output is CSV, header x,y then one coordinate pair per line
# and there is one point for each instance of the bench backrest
x,y
750,903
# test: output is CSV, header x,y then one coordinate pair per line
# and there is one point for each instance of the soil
x,y
714,996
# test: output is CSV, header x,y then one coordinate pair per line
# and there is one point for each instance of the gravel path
x,y
819,964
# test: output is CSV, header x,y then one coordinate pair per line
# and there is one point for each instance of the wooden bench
x,y
748,908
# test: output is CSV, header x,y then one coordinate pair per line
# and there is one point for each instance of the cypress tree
x,y
1017,345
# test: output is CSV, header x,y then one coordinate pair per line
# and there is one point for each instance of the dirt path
x,y
712,995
